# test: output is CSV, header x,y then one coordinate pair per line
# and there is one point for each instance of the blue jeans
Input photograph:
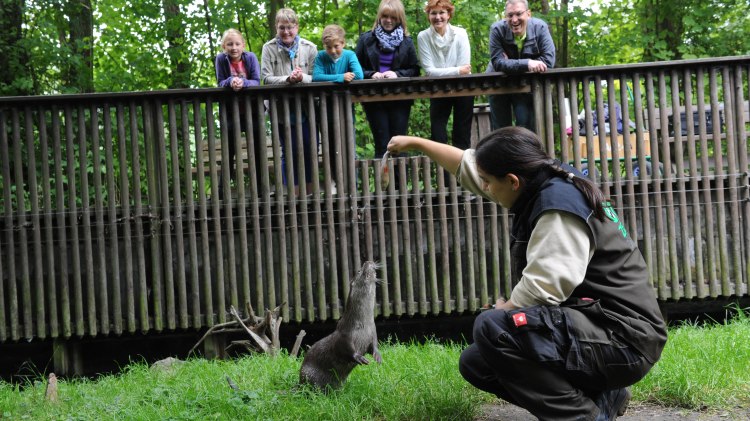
x,y
309,152
504,107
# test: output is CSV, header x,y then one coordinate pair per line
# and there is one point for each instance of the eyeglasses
x,y
286,28
517,14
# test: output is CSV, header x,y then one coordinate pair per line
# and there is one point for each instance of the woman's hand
x,y
378,75
348,77
400,144
501,304
296,75
465,69
237,84
390,74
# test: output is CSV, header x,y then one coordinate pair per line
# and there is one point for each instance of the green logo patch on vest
x,y
610,212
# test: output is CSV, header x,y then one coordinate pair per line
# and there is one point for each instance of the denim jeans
x,y
504,107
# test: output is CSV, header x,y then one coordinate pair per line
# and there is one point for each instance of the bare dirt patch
x,y
635,412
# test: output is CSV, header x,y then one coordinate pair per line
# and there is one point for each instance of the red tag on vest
x,y
519,319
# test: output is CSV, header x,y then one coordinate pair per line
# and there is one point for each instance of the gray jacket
x,y
538,46
275,65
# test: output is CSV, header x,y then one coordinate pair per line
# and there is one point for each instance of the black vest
x,y
616,277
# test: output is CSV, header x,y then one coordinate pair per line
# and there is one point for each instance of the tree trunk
x,y
14,75
562,49
661,22
77,23
176,48
273,7
208,27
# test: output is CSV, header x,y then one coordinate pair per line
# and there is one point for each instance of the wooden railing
x,y
111,223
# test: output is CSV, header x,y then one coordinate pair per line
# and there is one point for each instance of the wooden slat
x,y
23,242
217,285
72,224
206,287
113,248
139,216
193,296
293,297
129,273
644,182
692,287
62,245
742,108
152,153
178,268
680,220
720,199
419,242
406,226
454,220
229,258
50,279
9,254
707,229
100,260
383,238
732,162
39,318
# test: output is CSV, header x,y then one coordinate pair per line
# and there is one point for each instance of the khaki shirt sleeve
x,y
468,176
559,250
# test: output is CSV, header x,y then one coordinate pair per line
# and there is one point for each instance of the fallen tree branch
x,y
261,343
297,343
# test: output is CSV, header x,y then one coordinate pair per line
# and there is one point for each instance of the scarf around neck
x,y
389,41
442,43
292,51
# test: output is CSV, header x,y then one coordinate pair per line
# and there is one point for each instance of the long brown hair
x,y
516,150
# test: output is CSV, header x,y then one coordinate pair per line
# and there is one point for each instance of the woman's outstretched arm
x,y
447,156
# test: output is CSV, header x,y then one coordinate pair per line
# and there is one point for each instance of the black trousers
x,y
540,361
387,119
463,111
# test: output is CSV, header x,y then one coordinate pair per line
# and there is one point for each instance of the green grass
x,y
703,366
415,382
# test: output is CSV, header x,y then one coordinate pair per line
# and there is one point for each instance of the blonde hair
x,y
394,8
286,15
333,33
230,32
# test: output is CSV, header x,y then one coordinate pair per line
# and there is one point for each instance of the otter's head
x,y
363,284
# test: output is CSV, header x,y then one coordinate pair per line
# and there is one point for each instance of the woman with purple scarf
x,y
387,52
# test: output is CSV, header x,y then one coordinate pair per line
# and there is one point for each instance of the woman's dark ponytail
x,y
519,151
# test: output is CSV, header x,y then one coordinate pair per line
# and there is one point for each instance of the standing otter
x,y
329,361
